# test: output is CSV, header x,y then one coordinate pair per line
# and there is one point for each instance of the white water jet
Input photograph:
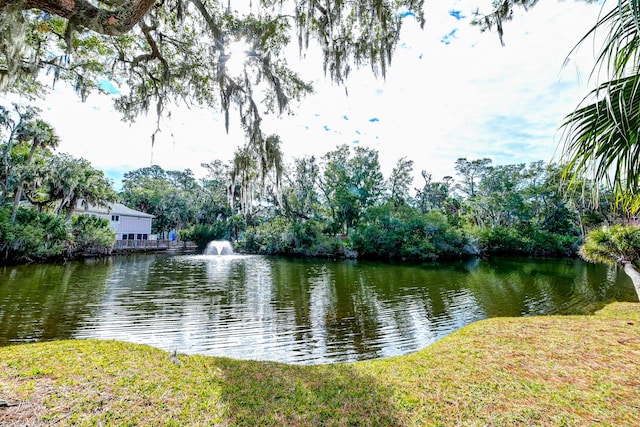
x,y
219,247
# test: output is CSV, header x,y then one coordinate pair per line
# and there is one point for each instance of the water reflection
x,y
49,301
297,311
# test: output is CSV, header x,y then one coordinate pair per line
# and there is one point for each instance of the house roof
x,y
112,209
120,209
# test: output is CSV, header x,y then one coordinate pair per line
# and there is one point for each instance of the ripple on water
x,y
295,311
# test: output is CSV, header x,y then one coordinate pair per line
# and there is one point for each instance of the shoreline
x,y
547,370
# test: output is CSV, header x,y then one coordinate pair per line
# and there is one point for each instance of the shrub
x,y
309,240
34,236
526,240
405,233
91,235
270,238
282,237
202,234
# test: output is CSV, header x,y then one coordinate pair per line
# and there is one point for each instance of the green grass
x,y
546,371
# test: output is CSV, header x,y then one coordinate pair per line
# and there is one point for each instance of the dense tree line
x,y
337,205
341,205
39,190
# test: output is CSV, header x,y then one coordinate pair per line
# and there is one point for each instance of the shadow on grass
x,y
114,383
325,395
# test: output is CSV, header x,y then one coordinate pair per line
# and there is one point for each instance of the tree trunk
x,y
631,271
18,196
16,203
109,21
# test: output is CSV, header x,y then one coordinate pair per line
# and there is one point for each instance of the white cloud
x,y
468,97
94,131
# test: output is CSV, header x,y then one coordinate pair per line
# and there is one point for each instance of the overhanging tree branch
x,y
111,22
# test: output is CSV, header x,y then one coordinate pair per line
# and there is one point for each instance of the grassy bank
x,y
550,371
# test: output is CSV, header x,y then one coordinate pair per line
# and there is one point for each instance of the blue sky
x,y
454,92
450,92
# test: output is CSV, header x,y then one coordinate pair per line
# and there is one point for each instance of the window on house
x,y
115,217
131,236
145,237
124,237
139,237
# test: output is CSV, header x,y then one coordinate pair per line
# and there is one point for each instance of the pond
x,y
288,310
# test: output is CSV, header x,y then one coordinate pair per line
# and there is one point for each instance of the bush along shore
x,y
544,371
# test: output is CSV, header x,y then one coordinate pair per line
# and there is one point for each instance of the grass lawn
x,y
547,371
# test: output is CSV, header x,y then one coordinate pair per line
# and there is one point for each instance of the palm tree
x,y
10,125
613,245
601,135
41,135
75,180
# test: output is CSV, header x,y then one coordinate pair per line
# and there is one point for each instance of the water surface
x,y
296,311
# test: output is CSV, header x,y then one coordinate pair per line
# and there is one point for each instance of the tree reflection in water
x,y
290,310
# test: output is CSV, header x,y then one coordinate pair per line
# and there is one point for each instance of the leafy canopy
x,y
178,51
163,53
601,135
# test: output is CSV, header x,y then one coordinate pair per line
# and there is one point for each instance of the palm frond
x,y
601,135
612,245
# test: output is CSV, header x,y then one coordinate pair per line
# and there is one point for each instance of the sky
x,y
450,92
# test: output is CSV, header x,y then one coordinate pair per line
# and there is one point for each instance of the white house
x,y
128,224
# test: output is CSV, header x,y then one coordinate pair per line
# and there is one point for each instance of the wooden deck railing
x,y
142,244
154,245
